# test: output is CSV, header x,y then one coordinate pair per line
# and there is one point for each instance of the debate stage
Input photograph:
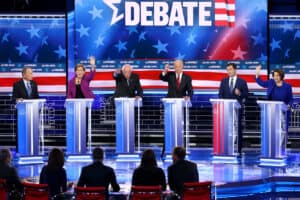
x,y
242,180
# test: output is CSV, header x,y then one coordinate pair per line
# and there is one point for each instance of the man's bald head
x,y
127,70
178,66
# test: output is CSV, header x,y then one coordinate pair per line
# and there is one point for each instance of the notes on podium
x,y
174,122
30,130
78,126
273,132
125,125
225,129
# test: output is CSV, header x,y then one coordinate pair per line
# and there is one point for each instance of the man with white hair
x,y
127,83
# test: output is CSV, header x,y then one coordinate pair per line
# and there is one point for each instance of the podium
x,y
30,127
125,124
273,132
174,122
77,111
225,128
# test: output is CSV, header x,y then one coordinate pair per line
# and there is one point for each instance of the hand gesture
x,y
167,67
258,68
93,62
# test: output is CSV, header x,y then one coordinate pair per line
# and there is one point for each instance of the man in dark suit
x,y
97,174
181,171
179,83
9,173
233,87
127,83
25,88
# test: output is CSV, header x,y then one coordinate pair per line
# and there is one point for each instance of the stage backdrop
x,y
37,41
206,34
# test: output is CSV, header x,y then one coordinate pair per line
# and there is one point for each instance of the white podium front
x,y
174,122
76,113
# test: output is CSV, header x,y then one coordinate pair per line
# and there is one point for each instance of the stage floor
x,y
231,180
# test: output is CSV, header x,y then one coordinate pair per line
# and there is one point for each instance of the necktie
x,y
177,82
231,85
28,88
127,82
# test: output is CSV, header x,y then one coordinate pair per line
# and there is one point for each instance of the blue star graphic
x,y
54,23
180,57
132,53
259,39
5,37
34,32
99,41
297,34
132,29
83,30
286,53
60,52
44,40
22,49
262,57
96,13
161,47
287,27
262,6
142,36
121,46
191,39
174,29
275,44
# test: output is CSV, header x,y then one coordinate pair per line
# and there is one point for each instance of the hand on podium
x,y
187,98
19,99
137,97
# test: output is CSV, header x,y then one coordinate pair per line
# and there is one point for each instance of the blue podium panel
x,y
225,127
30,126
273,130
76,113
174,122
125,124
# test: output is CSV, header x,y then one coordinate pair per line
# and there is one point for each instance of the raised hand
x,y
258,68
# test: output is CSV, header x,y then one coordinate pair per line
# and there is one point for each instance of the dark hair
x,y
98,154
280,72
24,70
148,159
4,155
79,66
234,66
56,159
179,152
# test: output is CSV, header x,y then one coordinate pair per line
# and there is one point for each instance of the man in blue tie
x,y
25,88
234,87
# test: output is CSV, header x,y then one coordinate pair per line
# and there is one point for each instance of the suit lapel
x,y
182,81
23,88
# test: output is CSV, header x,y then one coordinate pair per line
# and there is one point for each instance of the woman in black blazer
x,y
148,174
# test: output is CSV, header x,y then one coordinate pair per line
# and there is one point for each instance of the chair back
x,y
33,191
146,192
89,193
197,190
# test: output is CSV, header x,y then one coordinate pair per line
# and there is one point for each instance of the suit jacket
x,y
287,96
182,171
98,174
55,178
19,90
124,90
224,90
185,88
149,177
11,176
84,85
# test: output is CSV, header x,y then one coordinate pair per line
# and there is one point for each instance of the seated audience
x,y
181,171
54,174
97,174
148,174
9,173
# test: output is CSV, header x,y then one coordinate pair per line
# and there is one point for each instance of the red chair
x,y
89,193
146,193
3,189
197,190
33,191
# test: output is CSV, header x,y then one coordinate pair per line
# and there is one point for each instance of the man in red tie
x,y
179,83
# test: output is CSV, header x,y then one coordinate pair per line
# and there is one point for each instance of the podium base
x,y
25,160
79,158
272,162
124,157
225,159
